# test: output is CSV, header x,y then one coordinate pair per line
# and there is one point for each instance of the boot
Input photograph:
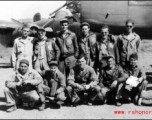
x,y
11,109
42,106
42,101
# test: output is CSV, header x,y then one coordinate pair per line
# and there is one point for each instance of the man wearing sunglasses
x,y
106,45
128,43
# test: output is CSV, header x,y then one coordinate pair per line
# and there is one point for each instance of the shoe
x,y
11,109
58,105
76,102
42,107
32,104
89,103
19,103
118,103
139,101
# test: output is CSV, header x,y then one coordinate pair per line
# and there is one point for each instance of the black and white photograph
x,y
76,59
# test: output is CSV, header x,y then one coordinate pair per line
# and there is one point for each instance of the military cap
x,y
108,57
85,24
134,56
53,63
34,26
64,20
41,29
48,29
25,61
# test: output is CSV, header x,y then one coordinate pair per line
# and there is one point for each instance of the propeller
x,y
18,29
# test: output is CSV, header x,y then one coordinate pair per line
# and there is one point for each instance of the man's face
x,y
110,62
64,26
129,27
34,30
81,62
104,33
133,62
53,69
25,32
23,68
41,34
85,30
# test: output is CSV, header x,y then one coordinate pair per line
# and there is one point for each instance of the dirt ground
x,y
126,111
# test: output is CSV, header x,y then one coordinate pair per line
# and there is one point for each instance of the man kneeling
x,y
111,80
22,86
82,79
54,85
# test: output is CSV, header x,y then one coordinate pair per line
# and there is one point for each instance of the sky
x,y
27,9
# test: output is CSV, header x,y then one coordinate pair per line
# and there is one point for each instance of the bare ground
x,y
83,111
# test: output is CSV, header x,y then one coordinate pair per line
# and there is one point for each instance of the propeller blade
x,y
17,22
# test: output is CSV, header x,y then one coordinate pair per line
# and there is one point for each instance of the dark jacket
x,y
106,79
68,45
87,45
57,83
127,47
87,77
52,50
107,48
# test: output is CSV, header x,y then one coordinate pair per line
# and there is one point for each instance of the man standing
x,y
82,79
52,50
128,43
22,86
106,45
54,84
67,43
23,48
133,70
111,79
87,45
40,58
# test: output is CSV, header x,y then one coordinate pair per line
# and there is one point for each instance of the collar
x,y
134,35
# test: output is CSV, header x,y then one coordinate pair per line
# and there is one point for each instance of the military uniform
x,y
85,77
127,46
68,46
87,46
106,78
106,48
135,92
52,50
25,92
40,58
54,86
23,48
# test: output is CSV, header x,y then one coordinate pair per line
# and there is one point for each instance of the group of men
x,y
66,68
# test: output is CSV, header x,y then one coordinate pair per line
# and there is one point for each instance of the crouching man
x,y
133,71
82,79
54,85
22,86
111,80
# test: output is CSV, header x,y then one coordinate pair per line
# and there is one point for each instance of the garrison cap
x,y
53,63
64,20
48,29
34,26
109,56
41,29
85,24
25,61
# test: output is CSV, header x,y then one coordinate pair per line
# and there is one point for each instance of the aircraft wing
x,y
7,25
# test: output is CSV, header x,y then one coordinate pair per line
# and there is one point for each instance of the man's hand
x,y
80,87
25,82
19,83
114,84
140,79
87,87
